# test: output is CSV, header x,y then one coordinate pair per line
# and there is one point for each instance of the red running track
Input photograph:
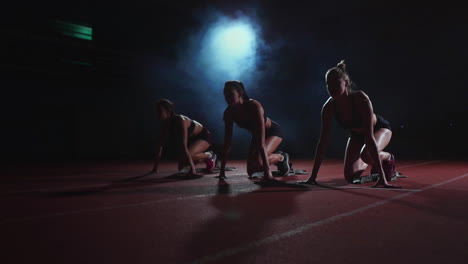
x,y
110,212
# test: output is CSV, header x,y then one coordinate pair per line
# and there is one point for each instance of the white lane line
x,y
398,167
297,231
58,189
166,200
418,164
370,188
106,208
107,184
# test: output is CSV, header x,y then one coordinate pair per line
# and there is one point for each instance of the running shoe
x,y
211,162
388,167
283,166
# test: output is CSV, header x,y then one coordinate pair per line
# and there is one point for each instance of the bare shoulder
x,y
329,102
363,102
180,119
328,105
183,118
254,105
177,121
227,113
361,96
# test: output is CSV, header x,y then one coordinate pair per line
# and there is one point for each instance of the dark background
x,y
70,99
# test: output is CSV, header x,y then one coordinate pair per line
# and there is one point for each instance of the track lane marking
x,y
297,231
147,203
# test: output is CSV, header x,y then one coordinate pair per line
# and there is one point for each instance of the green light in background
x,y
82,63
73,30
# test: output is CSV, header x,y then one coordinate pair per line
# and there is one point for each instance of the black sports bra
x,y
190,129
356,121
249,124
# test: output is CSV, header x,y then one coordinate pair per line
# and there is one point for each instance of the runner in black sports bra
x,y
366,142
357,121
266,134
193,139
273,130
204,134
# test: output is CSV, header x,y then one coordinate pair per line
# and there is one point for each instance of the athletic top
x,y
249,124
356,121
190,129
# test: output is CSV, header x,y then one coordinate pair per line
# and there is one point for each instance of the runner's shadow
x,y
274,184
436,198
336,183
133,178
240,219
442,201
122,184
339,182
175,176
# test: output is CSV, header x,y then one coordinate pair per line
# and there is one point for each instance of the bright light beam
x,y
234,41
232,48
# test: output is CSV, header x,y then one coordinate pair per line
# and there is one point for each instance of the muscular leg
x,y
382,139
197,152
353,164
254,160
271,145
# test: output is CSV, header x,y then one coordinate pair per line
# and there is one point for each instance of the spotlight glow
x,y
234,41
231,48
